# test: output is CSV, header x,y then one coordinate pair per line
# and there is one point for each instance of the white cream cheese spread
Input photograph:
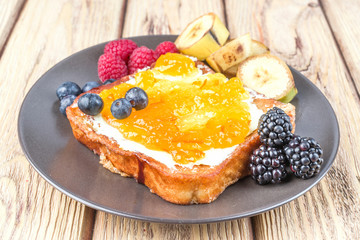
x,y
212,157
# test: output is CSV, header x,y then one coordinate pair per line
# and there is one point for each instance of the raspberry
x,y
165,47
140,58
121,48
110,66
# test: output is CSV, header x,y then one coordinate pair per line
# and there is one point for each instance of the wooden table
x,y
317,37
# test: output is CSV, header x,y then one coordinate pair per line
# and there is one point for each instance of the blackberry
x,y
267,165
304,155
275,128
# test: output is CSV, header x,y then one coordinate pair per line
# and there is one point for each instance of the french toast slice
x,y
177,184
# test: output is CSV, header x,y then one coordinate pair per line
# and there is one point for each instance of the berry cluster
x,y
134,98
275,128
268,165
92,104
122,57
280,148
68,91
304,154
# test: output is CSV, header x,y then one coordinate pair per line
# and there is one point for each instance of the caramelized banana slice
x,y
268,75
202,37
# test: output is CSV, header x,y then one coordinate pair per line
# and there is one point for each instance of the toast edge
x,y
180,185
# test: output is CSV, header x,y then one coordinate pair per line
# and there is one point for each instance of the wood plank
x,y
344,22
166,17
298,33
9,12
109,226
46,32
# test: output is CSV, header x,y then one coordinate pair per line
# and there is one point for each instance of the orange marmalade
x,y
188,112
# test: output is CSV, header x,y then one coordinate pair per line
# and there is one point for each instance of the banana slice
x,y
231,72
257,48
231,54
202,37
268,75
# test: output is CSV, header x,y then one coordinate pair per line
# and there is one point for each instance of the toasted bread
x,y
177,184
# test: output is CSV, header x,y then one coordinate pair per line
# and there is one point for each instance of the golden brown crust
x,y
180,185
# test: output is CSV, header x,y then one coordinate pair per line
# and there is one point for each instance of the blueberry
x,y
90,85
137,97
121,108
65,102
68,88
90,104
109,81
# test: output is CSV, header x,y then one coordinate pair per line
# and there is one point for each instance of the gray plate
x,y
47,141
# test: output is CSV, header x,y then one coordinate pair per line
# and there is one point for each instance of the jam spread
x,y
188,112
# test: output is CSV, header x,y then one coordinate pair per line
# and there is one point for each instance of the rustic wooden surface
x,y
9,13
319,38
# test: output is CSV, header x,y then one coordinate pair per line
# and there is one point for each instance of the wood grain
x,y
9,13
299,33
344,21
45,33
166,17
114,227
306,34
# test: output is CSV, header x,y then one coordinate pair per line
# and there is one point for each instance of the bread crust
x,y
179,184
